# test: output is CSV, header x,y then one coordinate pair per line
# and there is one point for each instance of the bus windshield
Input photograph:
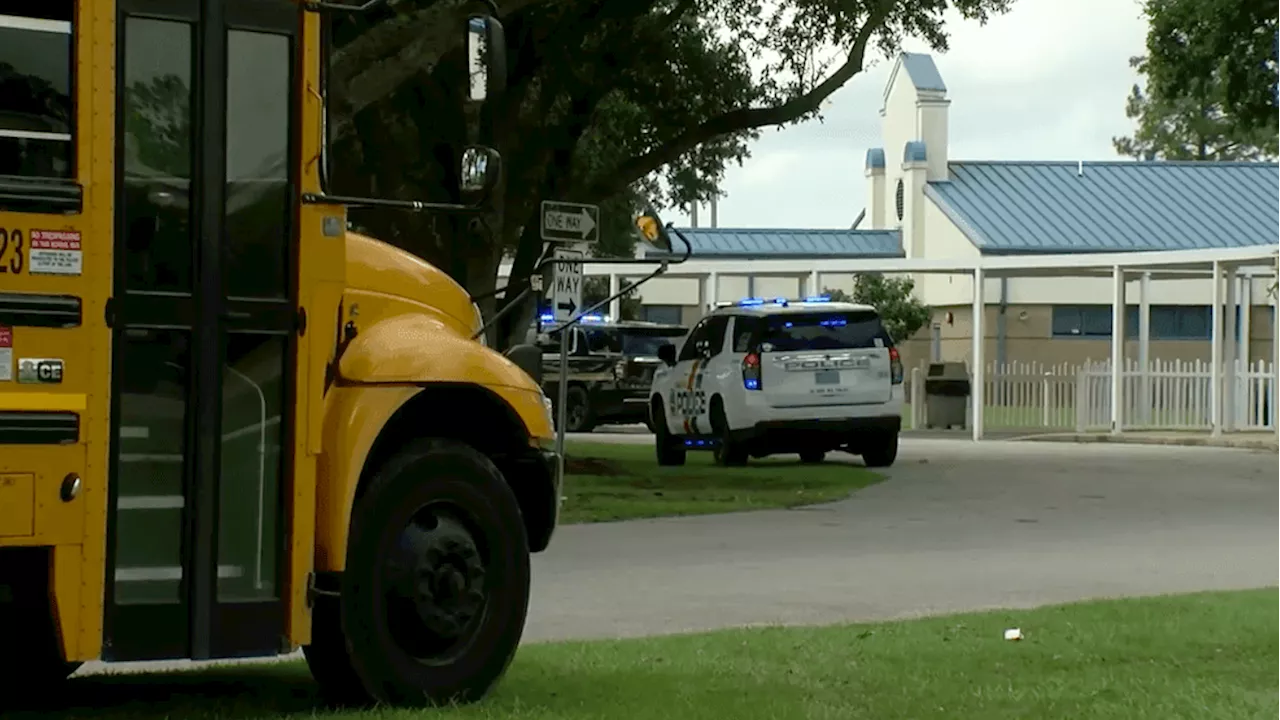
x,y
393,114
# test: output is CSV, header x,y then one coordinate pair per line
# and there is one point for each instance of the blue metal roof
x,y
915,151
1013,207
875,158
923,72
782,243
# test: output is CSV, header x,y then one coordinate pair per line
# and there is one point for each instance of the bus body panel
x,y
75,529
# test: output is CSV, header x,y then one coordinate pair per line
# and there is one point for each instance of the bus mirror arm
x,y
662,266
366,6
410,205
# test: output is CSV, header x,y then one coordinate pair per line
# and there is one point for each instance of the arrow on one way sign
x,y
565,291
570,222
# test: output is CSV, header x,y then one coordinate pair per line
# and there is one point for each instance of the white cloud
x,y
1047,81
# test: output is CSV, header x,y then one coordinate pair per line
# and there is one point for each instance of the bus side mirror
x,y
486,45
667,353
481,167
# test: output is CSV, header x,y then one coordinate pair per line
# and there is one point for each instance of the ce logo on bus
x,y
40,370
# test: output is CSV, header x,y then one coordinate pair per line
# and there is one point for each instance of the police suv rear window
x,y
822,331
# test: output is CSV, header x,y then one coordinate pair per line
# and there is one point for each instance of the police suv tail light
x,y
895,366
751,371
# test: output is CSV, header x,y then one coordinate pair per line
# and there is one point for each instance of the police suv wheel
x,y
881,451
436,587
728,452
668,448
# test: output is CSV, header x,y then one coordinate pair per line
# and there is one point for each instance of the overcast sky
x,y
1046,81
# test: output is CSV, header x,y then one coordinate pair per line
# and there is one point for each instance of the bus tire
x,y
436,589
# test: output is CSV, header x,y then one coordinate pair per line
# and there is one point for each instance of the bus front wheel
x,y
436,588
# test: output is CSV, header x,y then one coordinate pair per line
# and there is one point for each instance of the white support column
x,y
1242,347
1215,352
1229,355
713,289
615,305
1275,355
1117,350
814,287
978,364
1144,346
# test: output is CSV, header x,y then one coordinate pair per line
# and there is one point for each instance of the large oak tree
x,y
1192,44
608,101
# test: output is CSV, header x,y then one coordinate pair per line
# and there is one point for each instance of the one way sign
x,y
565,289
570,222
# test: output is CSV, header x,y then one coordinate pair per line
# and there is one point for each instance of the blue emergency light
x,y
818,299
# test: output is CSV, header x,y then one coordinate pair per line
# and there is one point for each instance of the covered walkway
x,y
1227,265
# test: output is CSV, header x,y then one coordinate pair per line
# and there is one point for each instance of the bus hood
x,y
375,266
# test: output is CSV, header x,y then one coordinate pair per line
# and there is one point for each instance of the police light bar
x,y
747,302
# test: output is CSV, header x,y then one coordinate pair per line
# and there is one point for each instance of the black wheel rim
x,y
435,588
576,412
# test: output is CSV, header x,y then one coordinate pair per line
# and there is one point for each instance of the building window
x,y
1168,322
37,108
664,314
1091,321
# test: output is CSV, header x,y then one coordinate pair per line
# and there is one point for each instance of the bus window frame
x,y
52,195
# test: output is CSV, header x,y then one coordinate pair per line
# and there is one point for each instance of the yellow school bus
x,y
229,427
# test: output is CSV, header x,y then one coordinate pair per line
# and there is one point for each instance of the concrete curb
x,y
1133,439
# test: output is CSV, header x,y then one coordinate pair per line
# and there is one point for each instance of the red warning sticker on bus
x,y
6,354
55,252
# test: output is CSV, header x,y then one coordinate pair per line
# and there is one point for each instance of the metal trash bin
x,y
946,389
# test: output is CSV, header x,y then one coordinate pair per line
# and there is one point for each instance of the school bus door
x,y
204,327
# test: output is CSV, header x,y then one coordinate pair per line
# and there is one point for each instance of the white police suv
x,y
768,376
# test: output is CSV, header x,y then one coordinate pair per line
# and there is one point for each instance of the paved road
x,y
957,526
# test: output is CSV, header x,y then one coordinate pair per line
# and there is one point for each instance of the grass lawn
x,y
617,482
1206,656
1015,418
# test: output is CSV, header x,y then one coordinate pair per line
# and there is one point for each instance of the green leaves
x,y
1223,49
1193,127
893,297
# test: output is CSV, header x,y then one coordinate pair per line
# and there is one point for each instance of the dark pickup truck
x,y
611,367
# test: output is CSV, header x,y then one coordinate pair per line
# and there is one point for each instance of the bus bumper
x,y
535,478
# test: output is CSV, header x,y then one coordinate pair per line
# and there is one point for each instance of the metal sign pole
x,y
562,393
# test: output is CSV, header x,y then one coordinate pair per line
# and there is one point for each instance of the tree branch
x,y
741,119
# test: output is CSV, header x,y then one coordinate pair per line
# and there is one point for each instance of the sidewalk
x,y
1242,440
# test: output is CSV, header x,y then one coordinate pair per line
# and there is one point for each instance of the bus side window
x,y
37,108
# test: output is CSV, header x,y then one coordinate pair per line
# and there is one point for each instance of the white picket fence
x,y
1175,395
1169,395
